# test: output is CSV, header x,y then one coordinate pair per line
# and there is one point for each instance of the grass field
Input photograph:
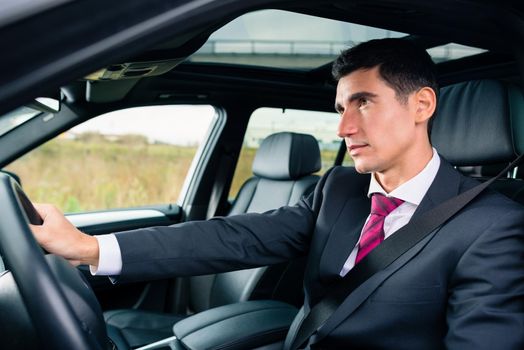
x,y
93,174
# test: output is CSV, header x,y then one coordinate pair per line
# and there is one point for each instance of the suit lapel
x,y
445,185
343,237
344,234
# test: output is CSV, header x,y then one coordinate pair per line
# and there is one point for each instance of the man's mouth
x,y
354,146
354,149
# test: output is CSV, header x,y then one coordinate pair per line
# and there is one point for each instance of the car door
x,y
123,170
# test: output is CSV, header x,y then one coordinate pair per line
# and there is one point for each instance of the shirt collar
x,y
414,189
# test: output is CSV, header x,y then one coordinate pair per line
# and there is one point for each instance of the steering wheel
x,y
45,301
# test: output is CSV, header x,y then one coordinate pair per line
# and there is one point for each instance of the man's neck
x,y
396,176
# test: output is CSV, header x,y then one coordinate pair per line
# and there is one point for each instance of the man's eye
x,y
362,102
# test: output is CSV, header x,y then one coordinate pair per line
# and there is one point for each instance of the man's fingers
x,y
74,262
37,229
58,236
39,233
44,209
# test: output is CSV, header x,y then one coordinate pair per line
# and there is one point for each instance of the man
x,y
451,290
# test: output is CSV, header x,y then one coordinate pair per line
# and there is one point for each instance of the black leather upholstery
x,y
476,123
283,166
265,191
287,156
261,194
488,170
238,326
133,328
480,125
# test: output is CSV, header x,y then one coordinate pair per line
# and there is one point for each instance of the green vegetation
x,y
99,174
93,173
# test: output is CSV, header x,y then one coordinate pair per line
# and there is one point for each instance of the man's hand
x,y
58,236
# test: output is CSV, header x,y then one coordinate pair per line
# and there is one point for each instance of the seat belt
x,y
222,174
382,256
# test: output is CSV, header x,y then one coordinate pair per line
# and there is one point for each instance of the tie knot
x,y
382,205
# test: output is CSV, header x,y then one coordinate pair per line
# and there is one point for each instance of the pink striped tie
x,y
373,232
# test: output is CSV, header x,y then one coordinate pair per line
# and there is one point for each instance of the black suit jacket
x,y
462,287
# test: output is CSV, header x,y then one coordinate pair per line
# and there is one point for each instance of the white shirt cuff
x,y
109,258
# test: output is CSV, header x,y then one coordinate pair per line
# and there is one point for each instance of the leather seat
x,y
282,168
480,125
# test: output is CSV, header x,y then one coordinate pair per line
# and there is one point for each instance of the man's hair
x,y
402,65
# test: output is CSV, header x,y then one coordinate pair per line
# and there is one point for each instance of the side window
x,y
267,121
347,161
126,158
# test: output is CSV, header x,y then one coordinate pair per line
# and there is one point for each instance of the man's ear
x,y
426,102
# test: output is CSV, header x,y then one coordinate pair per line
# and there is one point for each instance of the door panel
x,y
145,295
128,159
102,222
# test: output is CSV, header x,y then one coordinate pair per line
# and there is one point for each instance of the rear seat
x,y
479,127
283,169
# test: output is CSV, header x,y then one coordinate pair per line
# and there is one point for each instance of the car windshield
x,y
12,119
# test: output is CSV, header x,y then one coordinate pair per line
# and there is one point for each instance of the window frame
x,y
195,170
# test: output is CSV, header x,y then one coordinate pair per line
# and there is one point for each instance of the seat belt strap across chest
x,y
382,256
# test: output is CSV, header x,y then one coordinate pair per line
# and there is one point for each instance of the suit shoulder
x,y
342,181
344,174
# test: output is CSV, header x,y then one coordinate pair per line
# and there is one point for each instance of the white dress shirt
x,y
411,192
109,256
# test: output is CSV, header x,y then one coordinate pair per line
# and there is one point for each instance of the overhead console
x,y
114,82
133,70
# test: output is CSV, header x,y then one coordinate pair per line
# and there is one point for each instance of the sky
x,y
281,25
180,125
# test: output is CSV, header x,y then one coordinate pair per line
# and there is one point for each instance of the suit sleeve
x,y
486,296
220,244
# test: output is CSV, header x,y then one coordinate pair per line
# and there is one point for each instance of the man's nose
x,y
347,125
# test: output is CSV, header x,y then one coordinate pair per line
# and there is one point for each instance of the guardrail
x,y
311,48
286,47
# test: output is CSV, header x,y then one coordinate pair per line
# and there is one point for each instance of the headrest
x,y
287,156
479,122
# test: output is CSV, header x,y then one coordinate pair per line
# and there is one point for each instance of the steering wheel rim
x,y
52,315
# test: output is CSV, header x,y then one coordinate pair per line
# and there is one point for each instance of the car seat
x,y
283,172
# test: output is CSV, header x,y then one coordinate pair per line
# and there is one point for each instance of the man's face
x,y
379,130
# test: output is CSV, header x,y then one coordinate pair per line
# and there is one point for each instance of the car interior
x,y
276,182
240,58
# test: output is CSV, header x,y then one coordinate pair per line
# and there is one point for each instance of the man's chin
x,y
362,168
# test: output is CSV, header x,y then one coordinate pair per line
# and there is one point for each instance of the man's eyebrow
x,y
362,94
356,96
